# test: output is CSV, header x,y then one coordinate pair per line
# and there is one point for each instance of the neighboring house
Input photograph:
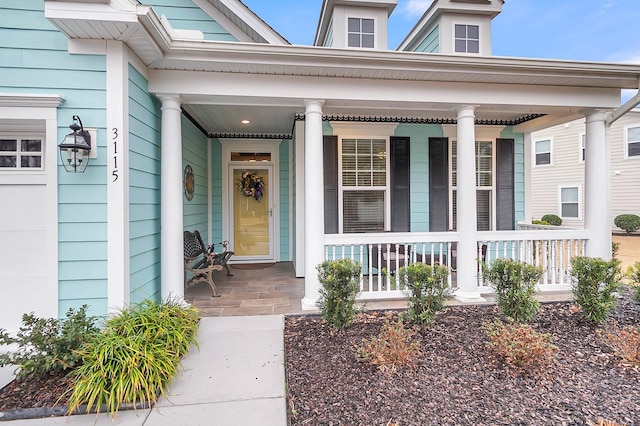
x,y
427,147
558,170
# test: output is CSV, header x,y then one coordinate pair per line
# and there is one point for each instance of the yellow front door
x,y
252,213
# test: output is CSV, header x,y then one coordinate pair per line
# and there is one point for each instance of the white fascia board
x,y
223,20
253,21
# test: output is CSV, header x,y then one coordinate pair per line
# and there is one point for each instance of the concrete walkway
x,y
236,378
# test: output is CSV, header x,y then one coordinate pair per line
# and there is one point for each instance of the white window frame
x,y
491,189
20,136
386,188
534,153
582,147
579,202
627,142
347,32
466,39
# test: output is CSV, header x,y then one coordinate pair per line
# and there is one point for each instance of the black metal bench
x,y
202,261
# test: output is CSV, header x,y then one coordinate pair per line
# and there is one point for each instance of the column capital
x,y
313,106
466,111
595,115
170,101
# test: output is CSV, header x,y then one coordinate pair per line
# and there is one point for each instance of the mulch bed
x,y
35,393
459,380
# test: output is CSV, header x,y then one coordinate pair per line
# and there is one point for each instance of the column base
x,y
468,297
308,304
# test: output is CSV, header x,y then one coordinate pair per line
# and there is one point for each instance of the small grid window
x,y
583,147
467,38
364,184
360,32
570,202
543,152
633,141
20,153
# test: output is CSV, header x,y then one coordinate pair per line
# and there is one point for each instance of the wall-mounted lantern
x,y
75,148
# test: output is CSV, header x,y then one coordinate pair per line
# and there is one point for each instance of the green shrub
x,y
393,348
539,222
595,282
515,285
427,289
552,219
519,344
633,273
135,357
46,346
340,286
627,222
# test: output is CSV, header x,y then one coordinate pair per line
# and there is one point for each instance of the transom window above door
x,y
252,157
360,32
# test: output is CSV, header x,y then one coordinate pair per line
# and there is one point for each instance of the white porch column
x,y
597,187
467,224
313,202
171,223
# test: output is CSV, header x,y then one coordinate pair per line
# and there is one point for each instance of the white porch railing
x,y
377,252
552,249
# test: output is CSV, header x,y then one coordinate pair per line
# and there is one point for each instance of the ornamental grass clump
x,y
392,349
427,289
515,285
625,343
340,286
47,346
520,345
595,283
133,359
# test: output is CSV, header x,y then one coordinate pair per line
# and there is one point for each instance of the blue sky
x,y
589,30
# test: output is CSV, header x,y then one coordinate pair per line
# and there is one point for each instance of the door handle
x,y
270,212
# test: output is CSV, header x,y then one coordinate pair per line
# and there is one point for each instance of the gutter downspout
x,y
628,106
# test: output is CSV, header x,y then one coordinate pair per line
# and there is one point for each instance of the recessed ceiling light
x,y
245,122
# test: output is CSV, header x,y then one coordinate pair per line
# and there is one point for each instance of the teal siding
x,y
431,43
185,15
519,171
144,190
216,190
294,192
419,163
194,153
284,201
34,59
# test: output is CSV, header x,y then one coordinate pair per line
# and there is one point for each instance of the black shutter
x,y
505,176
400,184
438,184
330,159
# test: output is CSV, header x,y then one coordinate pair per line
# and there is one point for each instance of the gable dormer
x,y
454,27
358,24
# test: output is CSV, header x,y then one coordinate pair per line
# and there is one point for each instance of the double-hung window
x,y
364,183
23,152
467,38
632,137
484,184
583,147
570,202
360,32
543,152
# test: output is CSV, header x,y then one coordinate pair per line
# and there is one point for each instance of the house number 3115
x,y
114,171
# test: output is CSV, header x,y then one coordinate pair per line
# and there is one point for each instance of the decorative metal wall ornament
x,y
189,182
251,185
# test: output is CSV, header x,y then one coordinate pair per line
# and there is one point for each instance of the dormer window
x,y
360,33
467,38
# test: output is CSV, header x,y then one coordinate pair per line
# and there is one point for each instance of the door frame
x,y
250,145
